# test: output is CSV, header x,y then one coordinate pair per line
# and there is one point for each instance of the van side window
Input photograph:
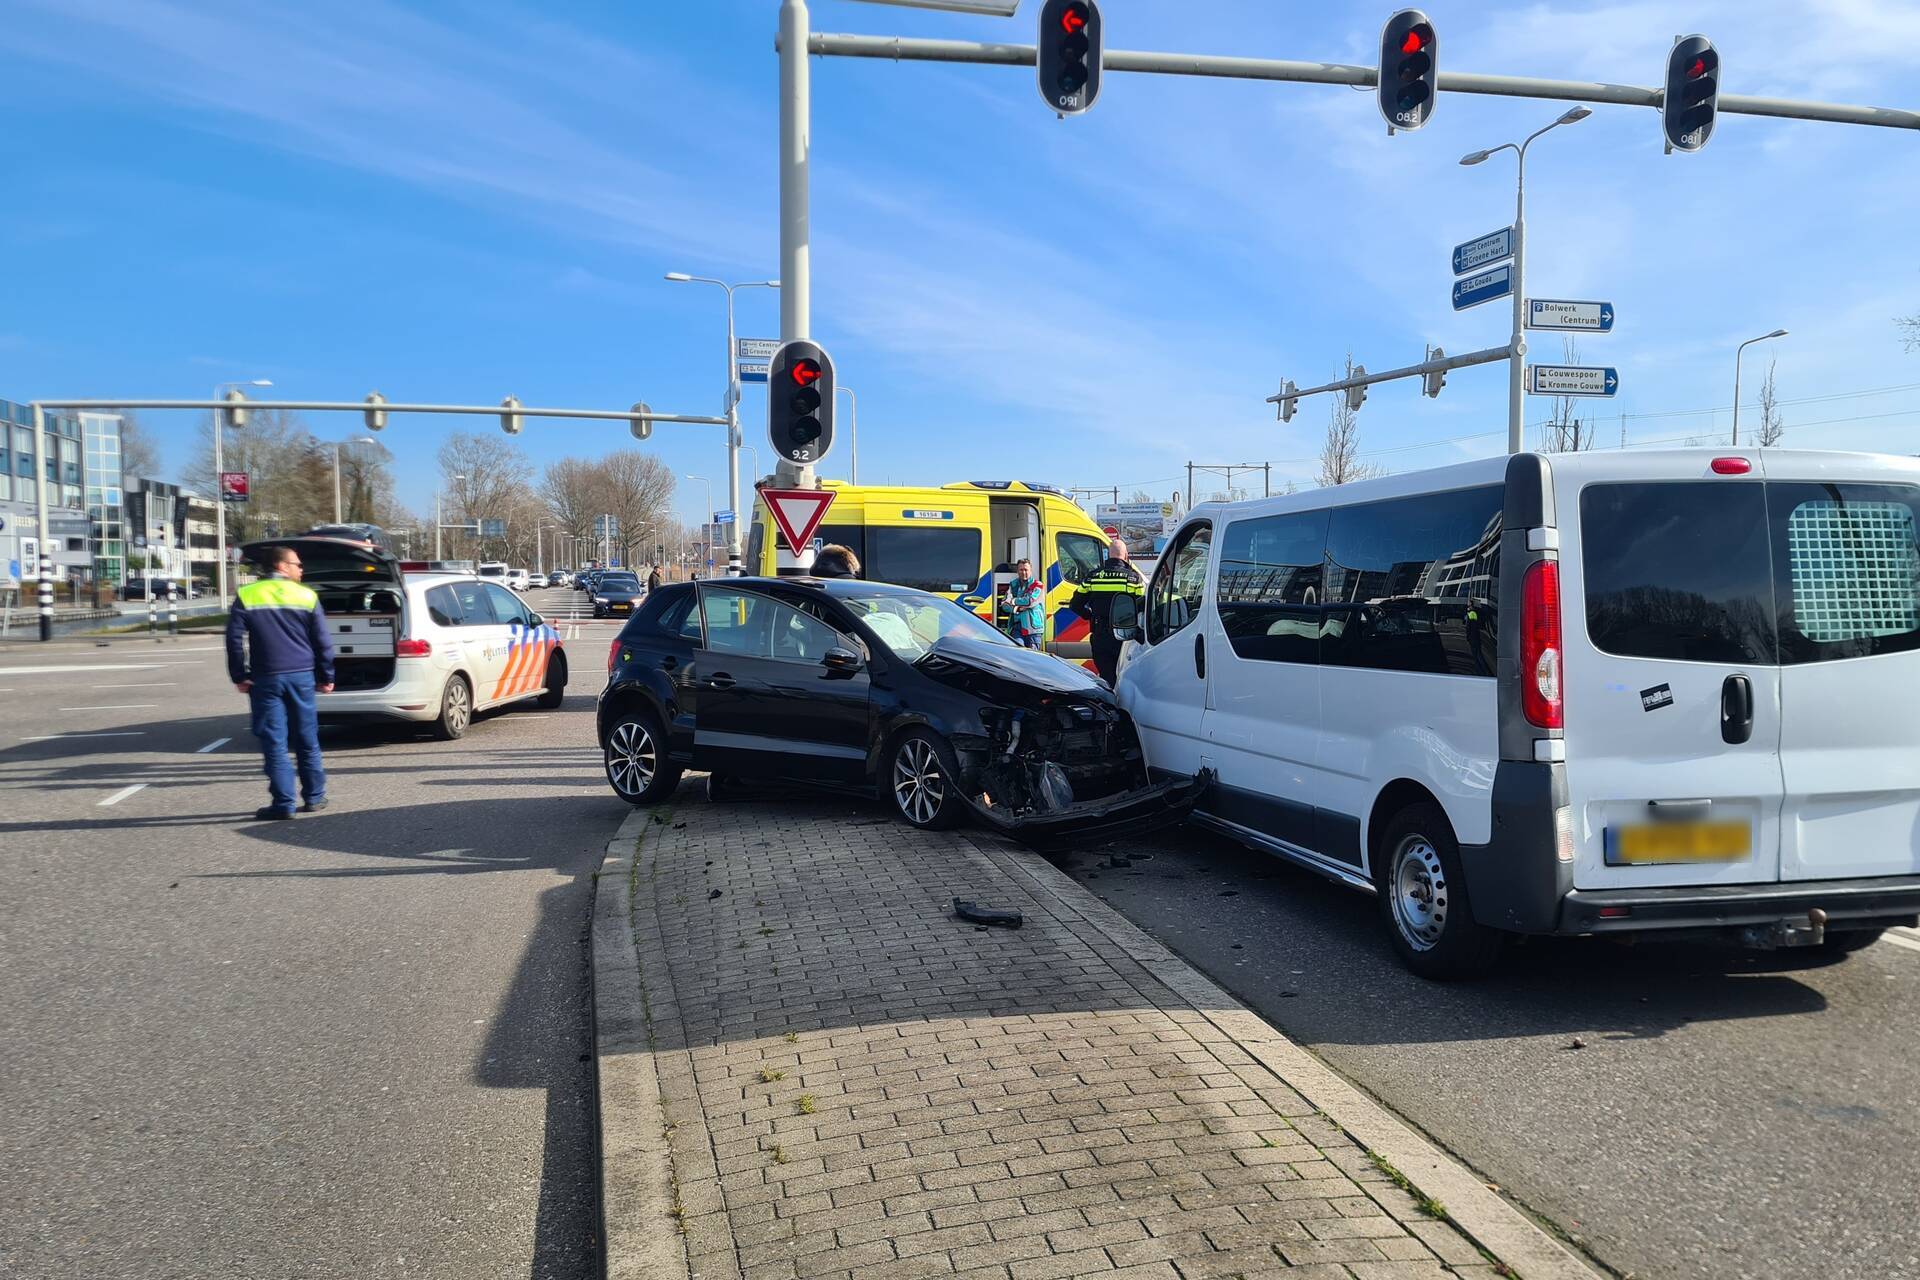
x,y
1679,570
1271,572
1846,569
1412,584
1179,584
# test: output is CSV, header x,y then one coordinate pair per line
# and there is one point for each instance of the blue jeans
x,y
1026,641
283,703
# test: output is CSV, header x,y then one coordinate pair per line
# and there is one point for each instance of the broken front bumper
x,y
1127,813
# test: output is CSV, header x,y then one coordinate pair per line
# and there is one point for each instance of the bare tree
x,y
486,478
1340,455
1566,431
1772,427
1910,331
139,451
573,490
638,492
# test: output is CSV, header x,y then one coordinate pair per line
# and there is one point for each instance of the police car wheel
x,y
635,768
456,709
922,782
556,690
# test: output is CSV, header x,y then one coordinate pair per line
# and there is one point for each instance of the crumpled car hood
x,y
1008,674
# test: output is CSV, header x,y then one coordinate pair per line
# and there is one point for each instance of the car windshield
x,y
620,581
909,625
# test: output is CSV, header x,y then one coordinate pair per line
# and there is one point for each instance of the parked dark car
x,y
615,591
584,580
878,688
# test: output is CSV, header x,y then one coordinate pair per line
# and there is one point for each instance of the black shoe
x,y
271,814
315,806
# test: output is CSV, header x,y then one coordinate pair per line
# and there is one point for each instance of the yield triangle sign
x,y
798,512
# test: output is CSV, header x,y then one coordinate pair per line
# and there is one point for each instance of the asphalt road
x,y
354,1044
1683,1110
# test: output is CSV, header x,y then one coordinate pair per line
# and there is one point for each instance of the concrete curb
x,y
1489,1220
637,1235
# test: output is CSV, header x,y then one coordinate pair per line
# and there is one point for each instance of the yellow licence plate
x,y
1679,842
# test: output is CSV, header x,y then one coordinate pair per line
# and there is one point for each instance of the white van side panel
x,y
1439,731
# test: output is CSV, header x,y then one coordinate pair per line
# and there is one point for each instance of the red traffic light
x,y
1073,19
805,372
1416,41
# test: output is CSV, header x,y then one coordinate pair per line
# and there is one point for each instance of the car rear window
x,y
1849,560
928,559
1679,570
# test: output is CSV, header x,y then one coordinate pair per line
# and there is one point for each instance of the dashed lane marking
x,y
90,666
215,745
162,684
1901,937
122,706
61,737
120,795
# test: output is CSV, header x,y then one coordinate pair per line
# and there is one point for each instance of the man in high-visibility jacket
x,y
279,655
1094,602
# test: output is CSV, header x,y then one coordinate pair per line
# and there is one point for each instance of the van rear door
x,y
1846,554
1672,692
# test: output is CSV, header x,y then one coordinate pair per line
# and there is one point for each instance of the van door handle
x,y
1200,655
1736,709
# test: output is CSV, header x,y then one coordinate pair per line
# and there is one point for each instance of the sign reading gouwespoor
x,y
234,486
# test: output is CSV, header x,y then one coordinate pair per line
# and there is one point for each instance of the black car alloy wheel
x,y
922,781
635,769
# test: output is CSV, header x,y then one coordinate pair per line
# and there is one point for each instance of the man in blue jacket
x,y
279,655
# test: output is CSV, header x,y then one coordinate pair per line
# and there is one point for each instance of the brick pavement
x,y
858,1086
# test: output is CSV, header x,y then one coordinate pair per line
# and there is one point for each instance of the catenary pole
x,y
44,543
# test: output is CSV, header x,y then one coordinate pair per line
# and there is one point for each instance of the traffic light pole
x,y
796,278
1425,367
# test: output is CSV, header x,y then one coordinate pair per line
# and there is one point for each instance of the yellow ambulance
x,y
960,540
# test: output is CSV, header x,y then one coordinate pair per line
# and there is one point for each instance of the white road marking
x,y
164,684
1899,937
215,745
120,795
56,737
53,671
123,706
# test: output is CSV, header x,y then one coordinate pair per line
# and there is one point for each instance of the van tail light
x,y
613,656
1540,675
1731,466
411,648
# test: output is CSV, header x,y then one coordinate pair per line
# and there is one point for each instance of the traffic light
x,y
375,415
1357,395
511,422
1288,401
800,402
1069,55
1433,379
1409,69
642,426
1693,93
236,409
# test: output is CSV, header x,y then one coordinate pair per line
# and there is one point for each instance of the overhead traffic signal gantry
x,y
800,402
1692,98
1409,70
1068,55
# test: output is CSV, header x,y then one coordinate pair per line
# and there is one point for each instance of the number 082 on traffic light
x,y
800,402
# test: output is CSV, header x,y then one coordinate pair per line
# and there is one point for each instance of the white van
x,y
1570,694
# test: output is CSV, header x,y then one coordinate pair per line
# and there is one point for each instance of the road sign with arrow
x,y
1572,380
1556,313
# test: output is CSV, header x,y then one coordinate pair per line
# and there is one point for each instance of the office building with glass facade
x,y
83,495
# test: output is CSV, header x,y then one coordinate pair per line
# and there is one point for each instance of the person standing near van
x,y
835,561
279,655
653,579
1027,602
1094,602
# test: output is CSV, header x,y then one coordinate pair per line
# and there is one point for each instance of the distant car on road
x,y
536,582
518,579
431,648
615,591
869,686
586,579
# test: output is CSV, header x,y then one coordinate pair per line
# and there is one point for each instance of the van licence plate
x,y
1679,842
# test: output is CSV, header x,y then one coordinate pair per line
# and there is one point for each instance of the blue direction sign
x,y
754,370
1485,287
1572,380
1557,313
1495,246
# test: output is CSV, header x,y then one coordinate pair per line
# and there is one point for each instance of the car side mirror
x,y
1123,618
535,620
841,661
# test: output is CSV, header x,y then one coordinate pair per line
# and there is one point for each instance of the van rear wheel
x,y
1423,898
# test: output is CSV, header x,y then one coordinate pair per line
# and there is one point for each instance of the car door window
x,y
738,623
1080,555
507,608
443,606
1179,585
475,609
799,638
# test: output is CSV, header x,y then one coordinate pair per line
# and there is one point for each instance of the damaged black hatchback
x,y
862,685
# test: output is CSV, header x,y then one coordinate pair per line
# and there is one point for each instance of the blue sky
x,y
457,202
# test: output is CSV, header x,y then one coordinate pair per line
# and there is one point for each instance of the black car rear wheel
x,y
636,765
922,781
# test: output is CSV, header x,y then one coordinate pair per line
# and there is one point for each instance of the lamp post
x,y
1737,353
733,406
220,493
706,533
337,445
438,519
1517,349
853,430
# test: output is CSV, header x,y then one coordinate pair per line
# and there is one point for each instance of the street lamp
x,y
337,516
1737,353
853,429
220,493
733,405
706,534
438,519
1517,349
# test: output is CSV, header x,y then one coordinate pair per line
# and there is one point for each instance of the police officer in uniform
x,y
1094,602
